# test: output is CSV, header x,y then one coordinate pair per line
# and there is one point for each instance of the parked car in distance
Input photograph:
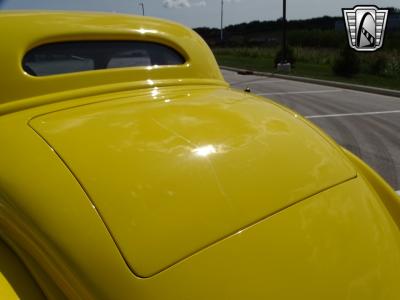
x,y
131,170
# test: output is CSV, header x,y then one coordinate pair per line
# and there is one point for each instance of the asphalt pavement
x,y
366,124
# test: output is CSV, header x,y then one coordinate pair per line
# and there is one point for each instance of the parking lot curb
x,y
356,87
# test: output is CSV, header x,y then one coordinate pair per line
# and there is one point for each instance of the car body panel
x,y
163,169
339,244
290,214
388,196
15,280
46,216
342,240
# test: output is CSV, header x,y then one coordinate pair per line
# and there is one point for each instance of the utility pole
x,y
141,4
284,65
284,41
222,20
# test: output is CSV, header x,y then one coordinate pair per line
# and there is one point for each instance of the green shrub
x,y
392,68
377,64
347,63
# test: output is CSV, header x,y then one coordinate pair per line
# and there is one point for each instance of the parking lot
x,y
366,124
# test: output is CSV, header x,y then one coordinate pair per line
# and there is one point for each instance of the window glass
x,y
70,57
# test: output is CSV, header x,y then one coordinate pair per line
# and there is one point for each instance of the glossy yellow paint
x,y
339,244
379,185
31,29
178,191
15,280
163,169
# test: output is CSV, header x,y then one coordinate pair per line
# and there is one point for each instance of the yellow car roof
x,y
30,29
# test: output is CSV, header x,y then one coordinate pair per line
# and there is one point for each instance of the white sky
x,y
196,13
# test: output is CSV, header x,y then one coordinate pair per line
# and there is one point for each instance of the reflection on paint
x,y
155,92
144,31
204,150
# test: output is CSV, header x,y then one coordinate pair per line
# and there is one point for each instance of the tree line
x,y
324,31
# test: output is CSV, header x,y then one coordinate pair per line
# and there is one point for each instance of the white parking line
x,y
303,92
257,81
398,192
355,114
265,81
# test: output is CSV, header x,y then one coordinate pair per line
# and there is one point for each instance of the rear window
x,y
71,57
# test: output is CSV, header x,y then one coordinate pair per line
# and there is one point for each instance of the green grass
x,y
251,63
262,60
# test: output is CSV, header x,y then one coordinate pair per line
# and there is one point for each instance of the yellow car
x,y
130,170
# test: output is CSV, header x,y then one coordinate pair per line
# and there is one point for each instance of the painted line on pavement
x,y
355,114
258,81
303,92
398,192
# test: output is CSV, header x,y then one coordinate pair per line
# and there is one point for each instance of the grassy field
x,y
317,63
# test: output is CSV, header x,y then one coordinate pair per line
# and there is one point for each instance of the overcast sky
x,y
196,13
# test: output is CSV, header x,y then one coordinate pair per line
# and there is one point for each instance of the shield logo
x,y
365,27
